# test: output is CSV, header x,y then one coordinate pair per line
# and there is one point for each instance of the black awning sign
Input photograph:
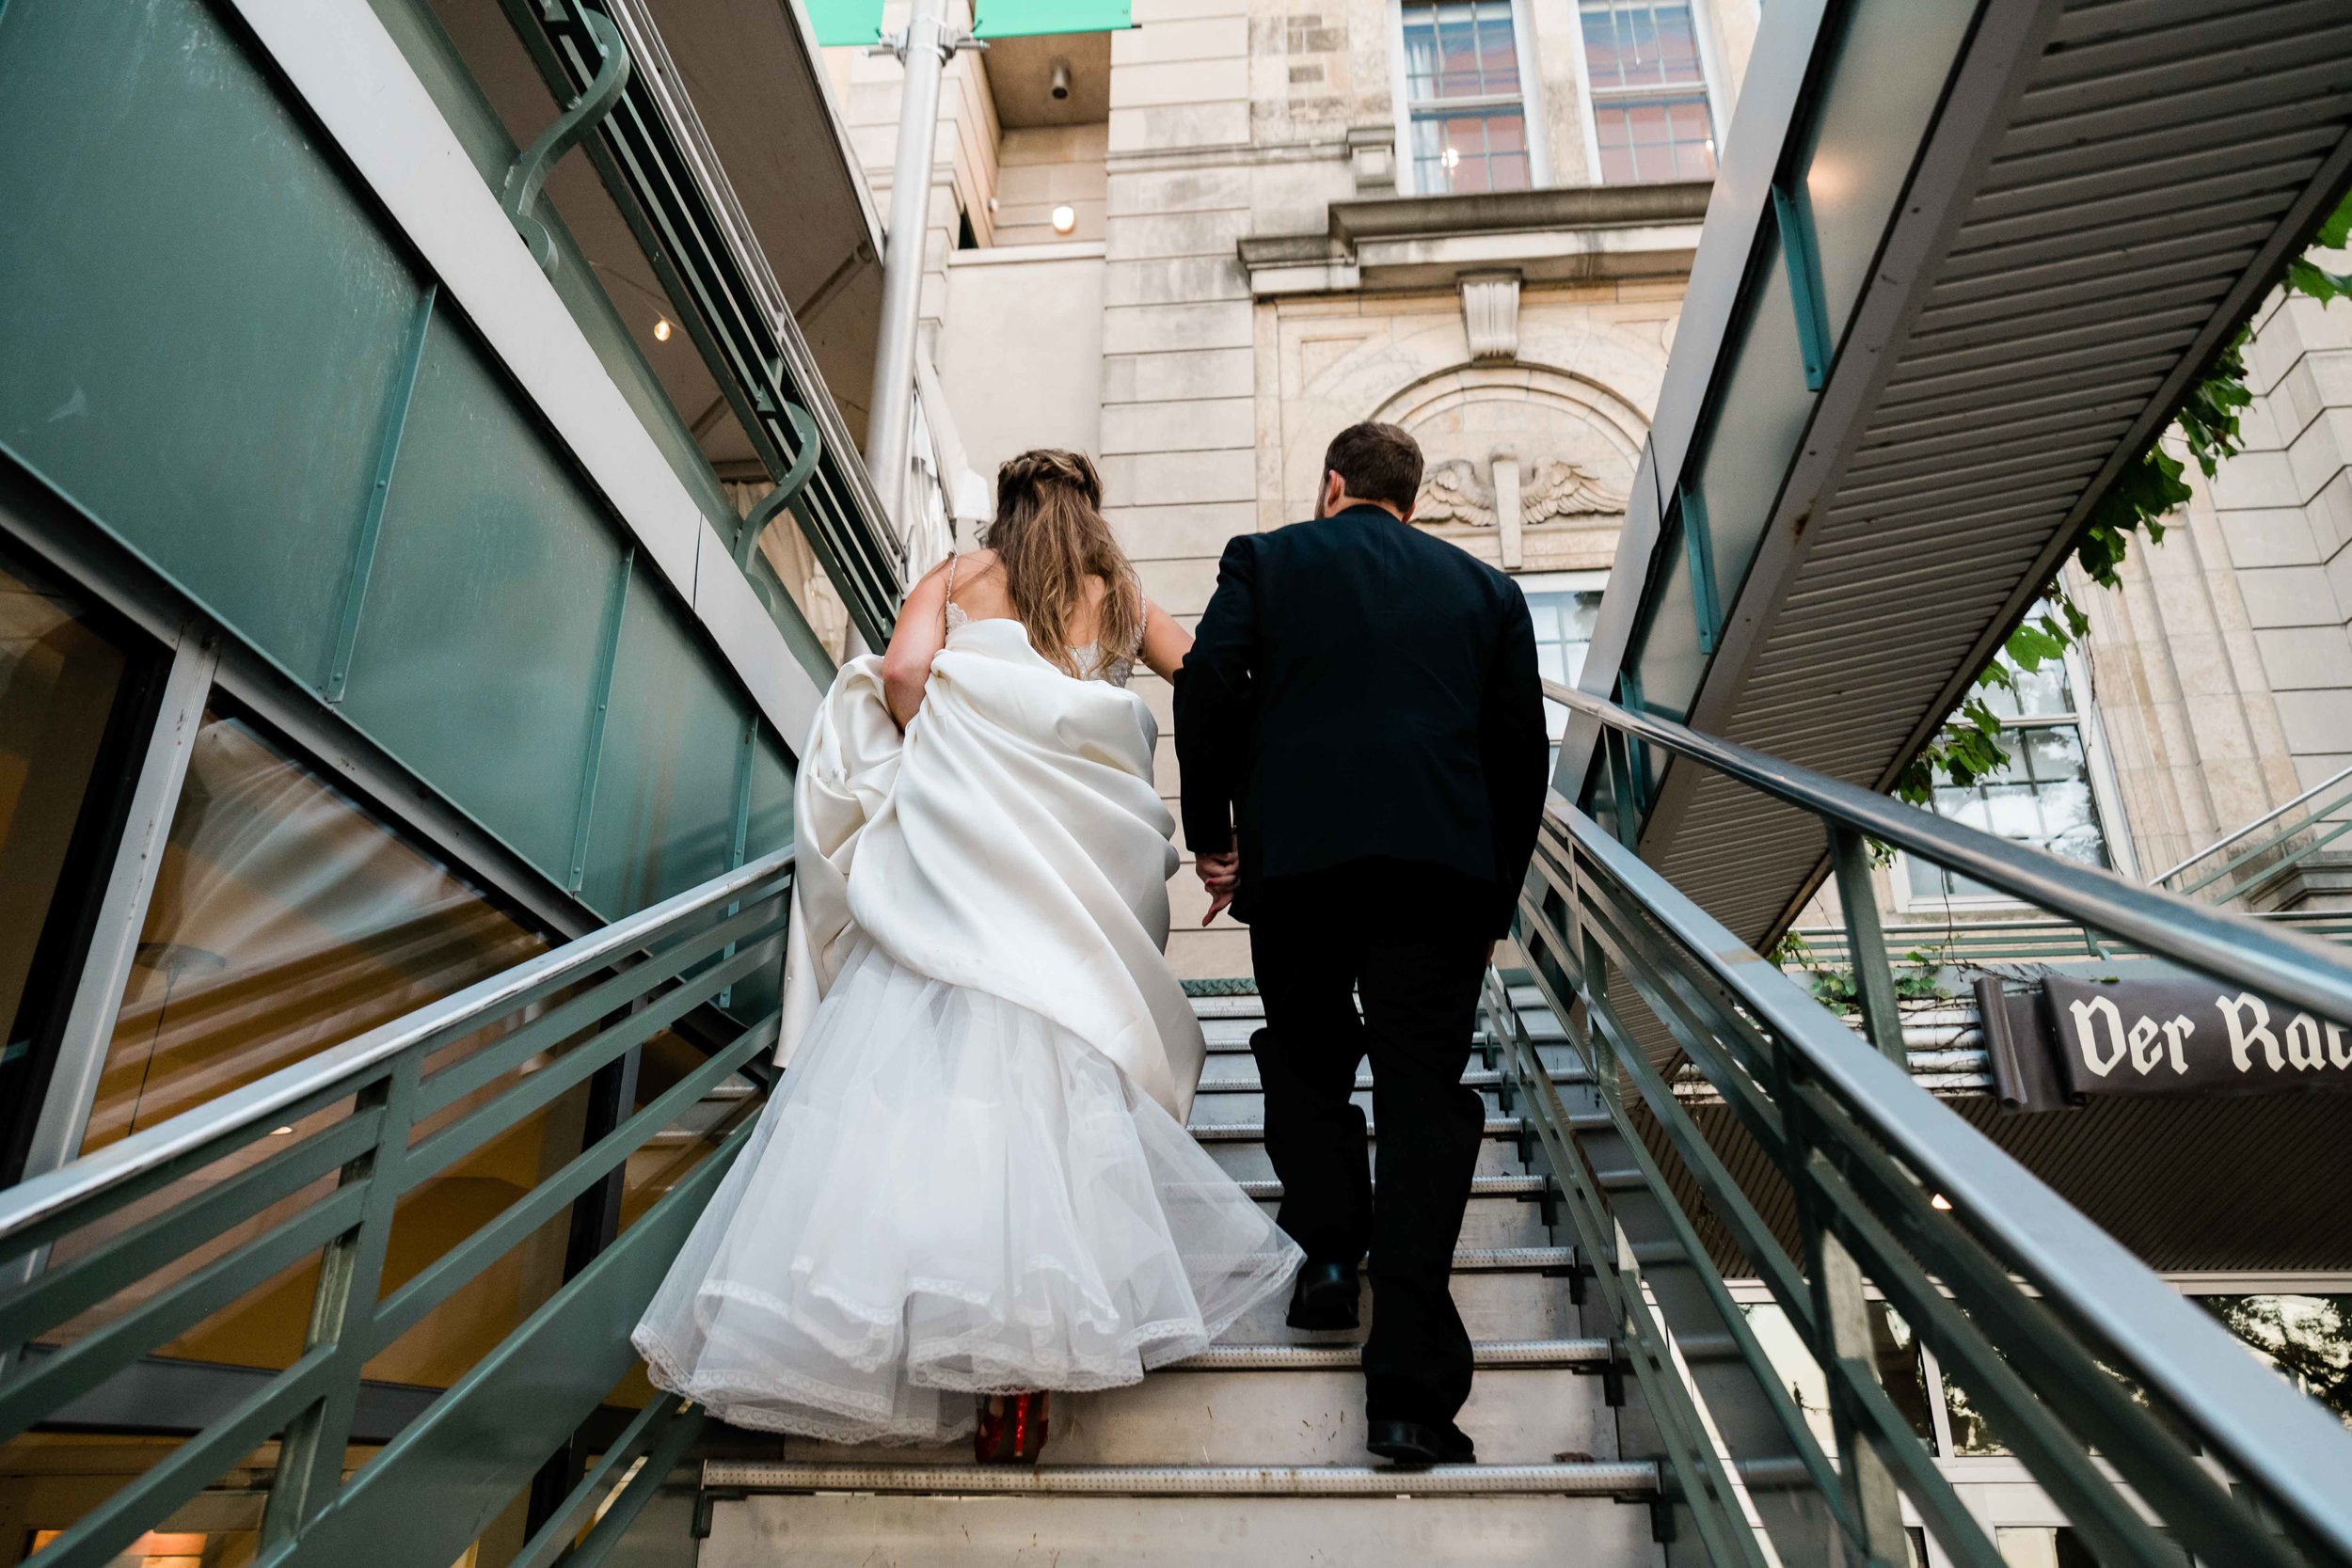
x,y
2173,1037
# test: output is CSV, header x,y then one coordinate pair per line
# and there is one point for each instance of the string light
x,y
661,330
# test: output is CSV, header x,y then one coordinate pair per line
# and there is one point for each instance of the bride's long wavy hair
x,y
1051,536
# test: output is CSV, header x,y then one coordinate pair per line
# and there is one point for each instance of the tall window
x,y
1563,606
1468,113
2040,797
1650,115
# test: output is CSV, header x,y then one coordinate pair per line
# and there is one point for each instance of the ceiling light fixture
x,y
661,330
1937,1200
1065,220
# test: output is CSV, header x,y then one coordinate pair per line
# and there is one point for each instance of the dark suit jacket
x,y
1358,690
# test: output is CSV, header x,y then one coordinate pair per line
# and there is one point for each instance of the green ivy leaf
x,y
2149,490
2305,277
2337,231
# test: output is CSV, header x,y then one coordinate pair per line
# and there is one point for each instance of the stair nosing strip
x,y
1265,1189
1608,1477
1254,1131
1493,1355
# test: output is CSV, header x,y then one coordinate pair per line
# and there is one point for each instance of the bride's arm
x,y
921,632
1164,643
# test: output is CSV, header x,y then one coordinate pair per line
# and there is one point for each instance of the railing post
x,y
1843,1312
350,1271
1865,945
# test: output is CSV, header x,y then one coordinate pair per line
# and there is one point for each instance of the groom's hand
x,y
1221,875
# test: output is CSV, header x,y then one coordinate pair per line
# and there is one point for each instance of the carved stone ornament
x,y
1454,491
1491,315
1563,489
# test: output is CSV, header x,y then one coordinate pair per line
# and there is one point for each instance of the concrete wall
x,y
1021,353
1042,167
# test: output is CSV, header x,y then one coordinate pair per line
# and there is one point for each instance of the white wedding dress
x,y
975,1178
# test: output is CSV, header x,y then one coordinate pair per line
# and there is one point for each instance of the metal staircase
x,y
1252,1452
1626,1410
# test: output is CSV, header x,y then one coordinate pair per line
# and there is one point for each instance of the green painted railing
x,y
2138,1412
2262,853
1993,939
676,201
342,1139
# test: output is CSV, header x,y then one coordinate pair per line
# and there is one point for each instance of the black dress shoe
x,y
1419,1443
1324,1296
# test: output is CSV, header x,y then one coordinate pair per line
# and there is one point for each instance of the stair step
x,y
1225,1034
1503,1210
1246,1080
1254,1131
1625,1479
1496,1303
1589,1354
1294,1405
1265,1189
844,1531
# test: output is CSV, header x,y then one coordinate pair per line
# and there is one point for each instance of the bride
x,y
974,1184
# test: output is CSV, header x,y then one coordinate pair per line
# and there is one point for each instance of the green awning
x,y
855,22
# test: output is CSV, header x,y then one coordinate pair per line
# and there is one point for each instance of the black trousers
x,y
1414,947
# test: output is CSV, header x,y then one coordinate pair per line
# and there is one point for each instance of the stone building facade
x,y
1242,224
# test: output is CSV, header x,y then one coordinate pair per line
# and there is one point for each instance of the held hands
x,y
1221,875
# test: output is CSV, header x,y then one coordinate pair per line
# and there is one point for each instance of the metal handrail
x,y
2215,941
312,1164
1860,1146
44,1196
657,165
2270,843
2164,878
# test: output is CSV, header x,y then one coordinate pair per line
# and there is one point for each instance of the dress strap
x,y
947,606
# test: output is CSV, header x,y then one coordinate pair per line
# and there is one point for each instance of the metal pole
x,y
923,50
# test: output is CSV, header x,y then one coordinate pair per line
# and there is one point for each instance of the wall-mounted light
x,y
1060,88
661,330
1065,220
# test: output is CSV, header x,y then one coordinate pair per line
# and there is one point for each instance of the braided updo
x,y
1051,536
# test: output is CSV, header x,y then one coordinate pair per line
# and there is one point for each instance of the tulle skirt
x,y
950,1196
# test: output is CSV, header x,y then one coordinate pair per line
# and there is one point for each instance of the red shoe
x,y
1011,1433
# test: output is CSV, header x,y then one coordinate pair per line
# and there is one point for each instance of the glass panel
x,y
477,657
2308,1338
1638,43
1755,421
2040,797
285,919
1894,1348
1972,1434
1479,151
205,356
1564,619
62,681
1666,658
665,812
1460,49
1649,93
1887,79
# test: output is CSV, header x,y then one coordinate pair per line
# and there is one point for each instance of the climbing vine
x,y
2150,489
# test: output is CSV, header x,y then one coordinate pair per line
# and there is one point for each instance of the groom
x,y
1360,731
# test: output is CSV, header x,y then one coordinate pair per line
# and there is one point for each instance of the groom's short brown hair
x,y
1375,463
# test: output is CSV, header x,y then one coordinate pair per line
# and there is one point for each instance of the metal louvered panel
x,y
2113,218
